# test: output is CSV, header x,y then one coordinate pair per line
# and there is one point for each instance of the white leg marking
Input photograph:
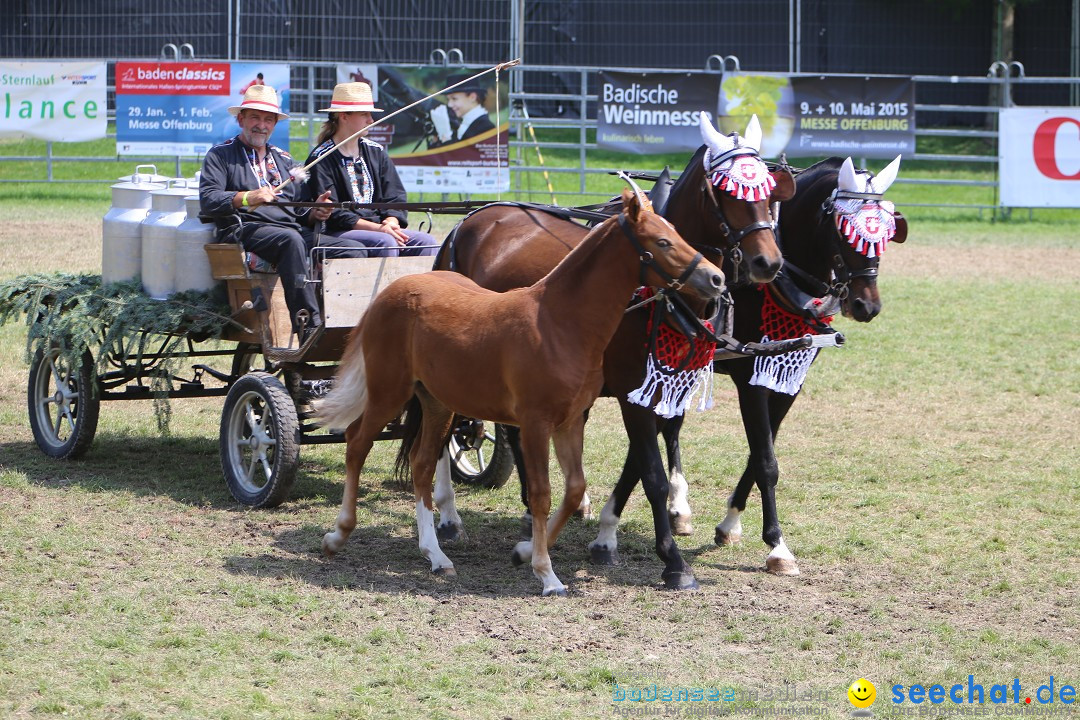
x,y
444,497
552,584
609,523
730,528
781,560
584,508
679,504
429,543
335,539
523,551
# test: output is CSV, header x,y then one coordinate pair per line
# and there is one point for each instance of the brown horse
x,y
540,348
720,203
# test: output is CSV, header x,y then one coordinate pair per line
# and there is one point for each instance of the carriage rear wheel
x,y
62,404
480,454
260,441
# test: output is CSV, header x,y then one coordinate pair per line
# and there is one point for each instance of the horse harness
x,y
732,237
809,305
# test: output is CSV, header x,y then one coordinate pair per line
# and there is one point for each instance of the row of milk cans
x,y
153,232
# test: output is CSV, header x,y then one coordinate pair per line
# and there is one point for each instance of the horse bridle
x,y
648,262
732,238
842,274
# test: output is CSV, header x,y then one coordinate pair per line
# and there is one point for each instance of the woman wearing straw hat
x,y
360,170
239,177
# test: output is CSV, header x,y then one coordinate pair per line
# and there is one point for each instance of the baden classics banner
x,y
653,112
182,108
59,101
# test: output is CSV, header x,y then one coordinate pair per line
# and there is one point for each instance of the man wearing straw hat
x,y
352,167
240,176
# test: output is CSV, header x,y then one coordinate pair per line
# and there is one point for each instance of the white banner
x,y
60,101
1039,152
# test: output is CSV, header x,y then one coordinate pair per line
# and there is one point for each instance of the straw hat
x,y
352,97
259,97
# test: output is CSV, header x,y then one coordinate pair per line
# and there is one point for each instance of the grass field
x,y
929,488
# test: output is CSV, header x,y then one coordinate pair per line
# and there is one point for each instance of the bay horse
x,y
425,337
832,234
719,204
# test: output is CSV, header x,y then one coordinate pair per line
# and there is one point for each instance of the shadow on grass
x,y
384,557
184,468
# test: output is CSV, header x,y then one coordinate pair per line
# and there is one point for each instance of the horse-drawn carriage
x,y
267,388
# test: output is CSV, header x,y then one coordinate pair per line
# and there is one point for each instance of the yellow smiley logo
x,y
862,693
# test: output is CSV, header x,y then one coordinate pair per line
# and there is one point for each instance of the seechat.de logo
x,y
861,694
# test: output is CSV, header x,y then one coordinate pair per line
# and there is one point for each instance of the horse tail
x,y
410,428
347,399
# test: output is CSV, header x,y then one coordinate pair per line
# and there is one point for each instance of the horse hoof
x,y
781,566
445,571
450,533
555,592
517,559
327,549
604,556
681,525
681,581
584,512
725,538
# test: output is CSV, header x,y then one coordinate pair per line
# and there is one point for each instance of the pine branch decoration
x,y
76,313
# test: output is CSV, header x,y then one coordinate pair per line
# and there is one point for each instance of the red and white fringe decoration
x,y
783,373
676,389
744,177
867,226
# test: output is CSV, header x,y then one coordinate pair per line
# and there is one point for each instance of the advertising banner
x,y
454,142
861,117
58,101
1039,152
653,112
182,108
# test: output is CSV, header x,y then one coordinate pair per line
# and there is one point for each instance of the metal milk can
x,y
121,233
192,263
167,211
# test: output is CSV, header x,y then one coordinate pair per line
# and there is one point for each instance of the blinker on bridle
x,y
840,287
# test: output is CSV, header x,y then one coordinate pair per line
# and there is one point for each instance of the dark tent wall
x,y
908,37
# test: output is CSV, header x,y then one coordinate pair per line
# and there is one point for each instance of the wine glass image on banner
x,y
769,97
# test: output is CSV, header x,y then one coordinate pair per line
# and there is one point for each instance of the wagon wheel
x,y
480,454
62,404
260,444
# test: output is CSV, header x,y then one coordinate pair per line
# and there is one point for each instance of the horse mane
x,y
688,175
811,181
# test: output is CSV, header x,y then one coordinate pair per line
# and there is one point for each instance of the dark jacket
x,y
378,185
227,170
480,125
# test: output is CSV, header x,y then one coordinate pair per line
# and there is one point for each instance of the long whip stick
x,y
301,173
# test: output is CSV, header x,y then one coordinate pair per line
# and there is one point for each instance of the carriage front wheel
x,y
260,442
480,454
62,404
